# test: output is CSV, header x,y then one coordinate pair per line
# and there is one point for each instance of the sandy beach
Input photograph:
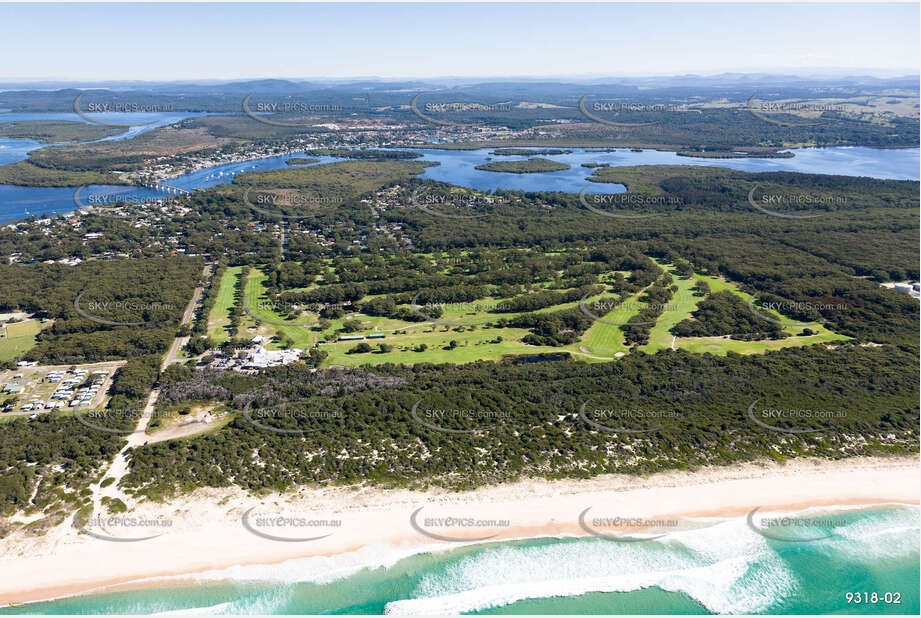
x,y
215,529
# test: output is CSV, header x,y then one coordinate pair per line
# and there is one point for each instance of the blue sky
x,y
235,41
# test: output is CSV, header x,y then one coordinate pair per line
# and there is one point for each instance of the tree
x,y
703,288
361,348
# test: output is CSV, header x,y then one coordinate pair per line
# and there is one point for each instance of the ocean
x,y
713,566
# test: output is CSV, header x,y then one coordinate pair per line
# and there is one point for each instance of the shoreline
x,y
206,534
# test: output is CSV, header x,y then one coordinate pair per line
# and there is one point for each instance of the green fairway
x,y
720,346
685,302
258,304
472,345
219,319
606,339
466,324
682,303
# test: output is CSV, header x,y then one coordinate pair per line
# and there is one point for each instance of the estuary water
x,y
458,167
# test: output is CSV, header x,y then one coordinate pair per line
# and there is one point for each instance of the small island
x,y
732,154
528,166
594,165
528,152
301,161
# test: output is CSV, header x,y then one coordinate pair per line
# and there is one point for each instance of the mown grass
x,y
20,337
219,319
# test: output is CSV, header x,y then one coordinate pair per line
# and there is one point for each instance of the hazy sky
x,y
232,41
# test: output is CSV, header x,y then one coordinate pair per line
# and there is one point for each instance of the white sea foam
x,y
220,608
710,564
884,534
714,586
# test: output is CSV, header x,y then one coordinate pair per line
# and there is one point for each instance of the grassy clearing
x,y
20,337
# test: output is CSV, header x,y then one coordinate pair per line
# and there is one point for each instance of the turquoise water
x,y
720,566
